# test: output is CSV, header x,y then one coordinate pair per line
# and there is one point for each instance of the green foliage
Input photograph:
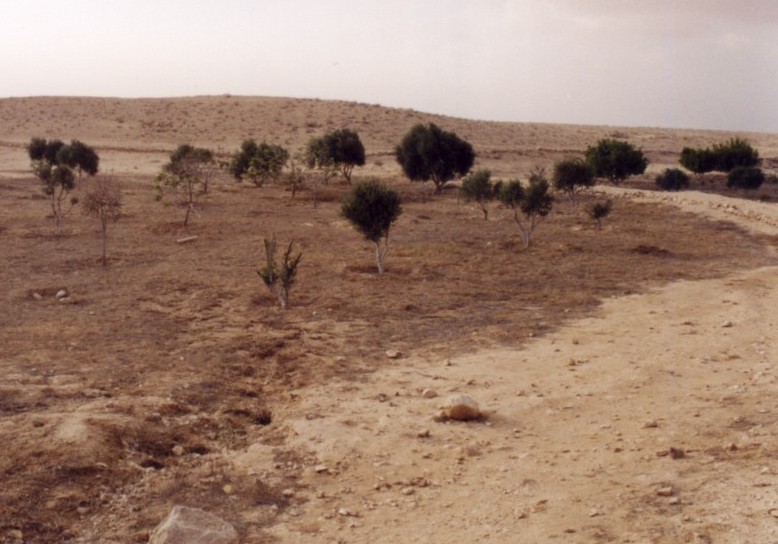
x,y
699,161
533,202
478,188
615,160
279,278
429,153
734,153
49,164
373,208
673,179
748,178
80,156
259,163
337,151
599,211
572,177
188,168
720,158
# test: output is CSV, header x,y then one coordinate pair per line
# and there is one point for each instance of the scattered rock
x,y
460,408
62,293
187,239
666,491
677,453
408,491
178,450
423,433
185,525
726,324
393,353
228,489
37,296
346,513
321,469
651,425
429,394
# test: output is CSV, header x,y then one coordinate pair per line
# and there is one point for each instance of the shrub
x,y
534,203
103,202
615,160
572,177
673,179
339,150
748,178
259,163
599,211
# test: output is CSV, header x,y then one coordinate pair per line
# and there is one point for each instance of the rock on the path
x,y
461,408
429,394
61,294
185,525
393,354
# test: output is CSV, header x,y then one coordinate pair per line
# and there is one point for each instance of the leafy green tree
x,y
748,178
615,160
259,163
428,153
103,202
339,151
572,177
57,177
477,187
373,208
673,179
188,168
79,156
599,211
533,202
279,278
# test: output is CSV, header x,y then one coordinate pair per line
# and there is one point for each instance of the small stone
x,y
593,513
772,511
408,491
666,491
61,294
674,501
429,394
288,492
726,324
393,354
321,469
228,489
37,296
178,450
677,453
346,513
424,433
651,425
15,534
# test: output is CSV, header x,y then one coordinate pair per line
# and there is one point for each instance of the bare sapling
x,y
279,277
103,201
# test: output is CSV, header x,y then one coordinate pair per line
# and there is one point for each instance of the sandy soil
x,y
645,414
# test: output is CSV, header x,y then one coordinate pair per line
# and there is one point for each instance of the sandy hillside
x,y
627,376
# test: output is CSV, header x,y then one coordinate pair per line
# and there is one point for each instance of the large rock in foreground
x,y
185,525
460,408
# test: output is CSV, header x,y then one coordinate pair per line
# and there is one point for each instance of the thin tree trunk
x,y
105,236
379,257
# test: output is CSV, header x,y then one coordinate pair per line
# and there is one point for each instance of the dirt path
x,y
653,421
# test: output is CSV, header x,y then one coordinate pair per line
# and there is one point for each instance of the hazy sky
x,y
674,63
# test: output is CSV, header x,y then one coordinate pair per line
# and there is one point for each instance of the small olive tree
x,y
615,160
373,208
573,177
187,169
339,151
533,202
259,163
598,211
478,188
279,277
53,163
103,201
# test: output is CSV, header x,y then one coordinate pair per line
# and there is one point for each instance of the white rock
x,y
393,354
185,525
61,294
429,393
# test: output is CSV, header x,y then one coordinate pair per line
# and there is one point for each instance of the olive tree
x,y
427,153
478,188
53,163
573,177
103,201
533,202
339,151
187,169
615,160
373,208
279,277
597,211
259,163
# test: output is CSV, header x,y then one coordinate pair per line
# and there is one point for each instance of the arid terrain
x,y
627,375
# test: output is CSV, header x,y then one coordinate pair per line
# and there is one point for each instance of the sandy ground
x,y
653,421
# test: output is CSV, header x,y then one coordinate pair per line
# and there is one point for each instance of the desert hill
x,y
120,127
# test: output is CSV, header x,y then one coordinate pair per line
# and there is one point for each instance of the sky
x,y
709,64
